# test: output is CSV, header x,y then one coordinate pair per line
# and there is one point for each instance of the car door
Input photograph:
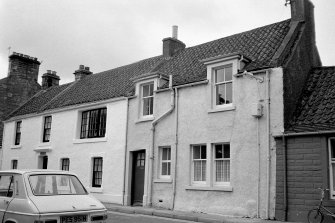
x,y
6,192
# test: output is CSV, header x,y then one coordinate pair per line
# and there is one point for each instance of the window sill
x,y
163,181
16,147
222,109
96,190
145,119
206,188
90,140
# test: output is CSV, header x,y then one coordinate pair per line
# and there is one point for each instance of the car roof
x,y
36,171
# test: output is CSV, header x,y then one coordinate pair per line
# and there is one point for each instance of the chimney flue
x,y
82,72
175,32
50,79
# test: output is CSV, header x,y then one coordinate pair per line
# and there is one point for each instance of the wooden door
x,y
138,178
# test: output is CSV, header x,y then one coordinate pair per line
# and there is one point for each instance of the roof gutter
x,y
304,133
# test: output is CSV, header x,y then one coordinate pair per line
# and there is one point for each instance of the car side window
x,y
6,185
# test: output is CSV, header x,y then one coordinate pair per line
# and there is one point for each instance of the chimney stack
x,y
50,79
303,11
172,45
82,72
23,66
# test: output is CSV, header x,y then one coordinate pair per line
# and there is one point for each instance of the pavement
x,y
181,215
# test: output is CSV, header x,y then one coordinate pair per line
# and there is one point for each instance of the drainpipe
x,y
125,156
259,168
268,166
285,176
151,157
176,151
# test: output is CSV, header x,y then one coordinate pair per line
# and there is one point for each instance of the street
x,y
114,217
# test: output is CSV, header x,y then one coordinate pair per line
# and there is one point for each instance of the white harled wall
x,y
65,143
198,124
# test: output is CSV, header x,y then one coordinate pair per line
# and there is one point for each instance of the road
x,y
114,217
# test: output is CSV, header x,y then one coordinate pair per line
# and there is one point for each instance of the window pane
x,y
228,73
203,152
147,106
196,152
165,169
218,151
164,153
226,151
332,144
229,93
219,75
146,90
151,89
199,170
222,170
220,94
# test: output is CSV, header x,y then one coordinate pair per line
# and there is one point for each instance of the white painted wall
x,y
197,125
65,143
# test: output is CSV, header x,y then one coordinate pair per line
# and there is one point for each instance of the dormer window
x,y
221,72
223,85
147,98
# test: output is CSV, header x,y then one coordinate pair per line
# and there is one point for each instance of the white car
x,y
45,196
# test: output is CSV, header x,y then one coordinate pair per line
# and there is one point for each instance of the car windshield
x,y
56,184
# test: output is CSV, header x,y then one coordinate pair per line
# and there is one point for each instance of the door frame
x,y
131,185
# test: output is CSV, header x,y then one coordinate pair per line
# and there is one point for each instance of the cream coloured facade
x,y
65,143
187,117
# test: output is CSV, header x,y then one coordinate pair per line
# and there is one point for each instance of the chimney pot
x,y
81,67
175,32
54,72
87,68
49,71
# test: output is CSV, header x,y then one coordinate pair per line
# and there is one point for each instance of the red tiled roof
x,y
260,45
316,109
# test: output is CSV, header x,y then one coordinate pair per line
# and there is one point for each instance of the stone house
x,y
191,129
305,152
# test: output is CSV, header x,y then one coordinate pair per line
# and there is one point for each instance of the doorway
x,y
138,174
42,162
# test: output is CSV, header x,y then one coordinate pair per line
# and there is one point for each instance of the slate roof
x,y
316,109
260,45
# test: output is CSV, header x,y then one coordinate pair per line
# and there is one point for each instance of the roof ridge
x,y
236,34
126,65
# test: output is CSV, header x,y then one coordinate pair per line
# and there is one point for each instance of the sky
x,y
105,34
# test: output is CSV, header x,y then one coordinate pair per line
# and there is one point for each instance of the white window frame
x,y
331,161
214,180
224,82
214,64
62,162
18,131
93,171
12,164
161,161
196,182
147,97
